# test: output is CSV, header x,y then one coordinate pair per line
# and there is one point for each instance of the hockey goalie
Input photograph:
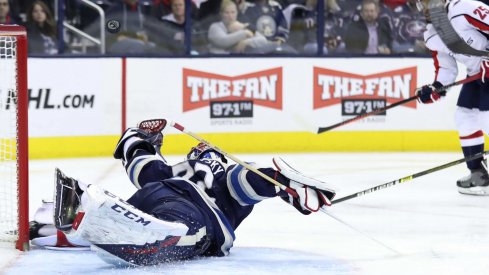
x,y
179,211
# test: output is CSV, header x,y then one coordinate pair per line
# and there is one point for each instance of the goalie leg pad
x,y
125,235
110,220
166,250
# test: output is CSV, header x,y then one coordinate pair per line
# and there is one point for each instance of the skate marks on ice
x,y
242,260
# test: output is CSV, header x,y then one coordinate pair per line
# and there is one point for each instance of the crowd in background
x,y
224,26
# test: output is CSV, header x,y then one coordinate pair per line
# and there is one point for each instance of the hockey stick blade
x,y
410,177
447,33
381,110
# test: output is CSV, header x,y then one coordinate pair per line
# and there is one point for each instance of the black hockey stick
x,y
377,111
410,177
448,35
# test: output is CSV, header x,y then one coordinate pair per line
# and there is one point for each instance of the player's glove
x,y
430,93
484,71
309,199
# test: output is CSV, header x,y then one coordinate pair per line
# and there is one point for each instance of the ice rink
x,y
423,226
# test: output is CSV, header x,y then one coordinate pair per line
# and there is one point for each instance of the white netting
x,y
8,139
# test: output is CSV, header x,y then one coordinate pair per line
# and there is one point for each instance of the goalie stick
x,y
235,159
447,33
326,193
410,177
377,111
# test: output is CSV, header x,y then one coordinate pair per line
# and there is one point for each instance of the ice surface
x,y
422,226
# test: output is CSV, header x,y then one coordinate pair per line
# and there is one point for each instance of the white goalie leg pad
x,y
110,220
289,172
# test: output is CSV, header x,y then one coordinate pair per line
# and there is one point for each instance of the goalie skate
x,y
67,199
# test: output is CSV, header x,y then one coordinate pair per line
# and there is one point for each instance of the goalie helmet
x,y
204,151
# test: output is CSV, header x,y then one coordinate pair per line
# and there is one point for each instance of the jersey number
x,y
482,12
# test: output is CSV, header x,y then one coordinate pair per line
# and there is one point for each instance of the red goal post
x,y
14,165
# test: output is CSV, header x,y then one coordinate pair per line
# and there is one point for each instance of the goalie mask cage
x,y
14,213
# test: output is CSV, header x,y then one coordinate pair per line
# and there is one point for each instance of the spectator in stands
x,y
160,8
231,36
367,34
334,25
303,28
6,16
267,18
25,4
350,10
173,29
408,27
41,29
177,14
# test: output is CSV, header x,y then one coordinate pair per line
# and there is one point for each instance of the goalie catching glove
x,y
146,136
312,194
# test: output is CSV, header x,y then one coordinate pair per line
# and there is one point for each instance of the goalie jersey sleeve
x,y
470,19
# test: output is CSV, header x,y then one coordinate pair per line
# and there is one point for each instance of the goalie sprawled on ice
x,y
181,211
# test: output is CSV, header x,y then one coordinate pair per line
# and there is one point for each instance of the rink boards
x,y
79,106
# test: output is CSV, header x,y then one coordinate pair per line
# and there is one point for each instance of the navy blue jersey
x,y
267,19
223,195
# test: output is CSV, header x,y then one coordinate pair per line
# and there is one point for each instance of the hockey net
x,y
14,226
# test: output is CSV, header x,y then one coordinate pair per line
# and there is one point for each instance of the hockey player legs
x,y
472,116
469,23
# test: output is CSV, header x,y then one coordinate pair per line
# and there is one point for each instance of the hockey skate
x,y
477,183
67,200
